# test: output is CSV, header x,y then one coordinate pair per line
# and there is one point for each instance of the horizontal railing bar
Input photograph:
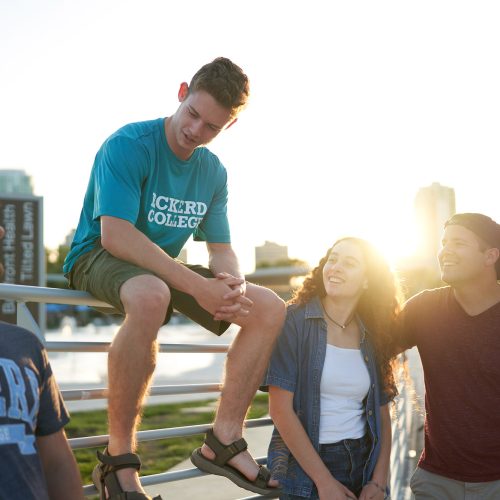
x,y
152,435
68,346
160,390
168,477
153,479
25,293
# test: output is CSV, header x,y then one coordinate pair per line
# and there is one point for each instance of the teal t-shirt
x,y
137,177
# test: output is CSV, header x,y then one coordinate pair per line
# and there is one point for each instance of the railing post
x,y
26,320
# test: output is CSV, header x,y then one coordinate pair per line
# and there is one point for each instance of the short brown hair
x,y
225,82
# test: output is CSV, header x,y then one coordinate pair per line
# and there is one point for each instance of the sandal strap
x,y
224,453
109,464
263,477
117,462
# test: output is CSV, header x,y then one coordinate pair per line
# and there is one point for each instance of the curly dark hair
x,y
225,82
378,306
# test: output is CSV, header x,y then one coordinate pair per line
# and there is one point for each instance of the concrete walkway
x,y
213,487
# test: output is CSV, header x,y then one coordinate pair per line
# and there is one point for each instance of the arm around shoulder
x,y
402,330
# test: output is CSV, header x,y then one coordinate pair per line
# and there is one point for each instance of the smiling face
x,y
462,258
344,273
198,120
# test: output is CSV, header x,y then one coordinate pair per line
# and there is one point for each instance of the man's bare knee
x,y
268,310
146,299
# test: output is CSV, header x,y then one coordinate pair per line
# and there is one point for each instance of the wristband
x,y
377,485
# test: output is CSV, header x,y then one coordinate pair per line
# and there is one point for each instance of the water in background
x,y
89,370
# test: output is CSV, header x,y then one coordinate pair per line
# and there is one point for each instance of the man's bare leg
x,y
246,363
131,363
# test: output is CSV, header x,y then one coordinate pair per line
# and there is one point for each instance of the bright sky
x,y
355,105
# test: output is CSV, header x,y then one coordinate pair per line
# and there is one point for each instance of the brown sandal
x,y
105,478
219,466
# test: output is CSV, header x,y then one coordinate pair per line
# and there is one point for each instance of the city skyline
x,y
434,204
344,123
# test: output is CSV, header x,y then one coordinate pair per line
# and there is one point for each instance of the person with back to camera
x,y
36,462
456,329
331,379
152,186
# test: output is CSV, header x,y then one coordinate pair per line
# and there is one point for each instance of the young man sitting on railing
x,y
36,462
152,186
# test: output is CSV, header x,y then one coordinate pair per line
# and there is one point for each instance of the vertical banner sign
x,y
21,250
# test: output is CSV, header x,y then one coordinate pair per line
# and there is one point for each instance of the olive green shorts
x,y
102,275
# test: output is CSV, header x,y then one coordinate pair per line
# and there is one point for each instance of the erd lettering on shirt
x,y
14,406
172,212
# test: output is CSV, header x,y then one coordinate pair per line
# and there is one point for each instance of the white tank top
x,y
344,384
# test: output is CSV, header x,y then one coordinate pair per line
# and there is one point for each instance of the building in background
x,y
15,182
270,254
274,269
69,238
434,205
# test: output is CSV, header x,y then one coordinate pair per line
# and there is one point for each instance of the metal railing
x,y
402,425
402,453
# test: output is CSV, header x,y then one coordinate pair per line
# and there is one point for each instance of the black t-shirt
x,y
30,406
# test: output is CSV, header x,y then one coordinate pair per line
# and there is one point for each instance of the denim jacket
x,y
297,366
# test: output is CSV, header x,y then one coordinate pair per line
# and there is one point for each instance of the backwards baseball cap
x,y
482,226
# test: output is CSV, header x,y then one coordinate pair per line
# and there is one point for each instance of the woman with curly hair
x,y
331,379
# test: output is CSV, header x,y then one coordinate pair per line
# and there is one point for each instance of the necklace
x,y
340,325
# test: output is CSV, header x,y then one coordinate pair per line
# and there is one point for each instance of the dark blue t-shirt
x,y
30,406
